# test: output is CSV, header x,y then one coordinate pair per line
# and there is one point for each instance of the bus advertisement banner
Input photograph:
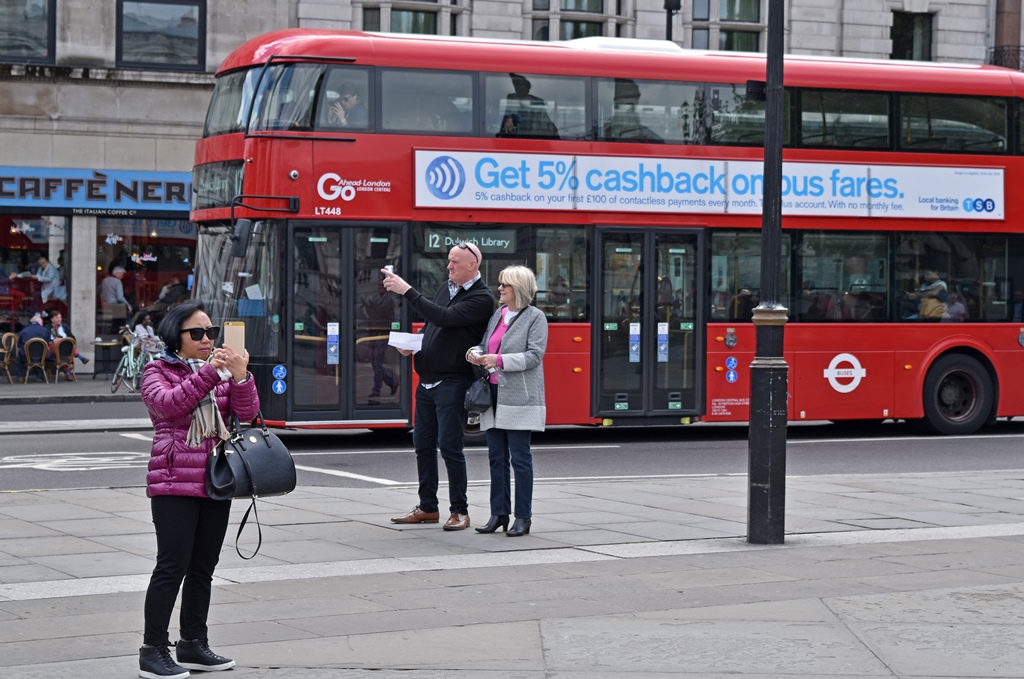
x,y
645,184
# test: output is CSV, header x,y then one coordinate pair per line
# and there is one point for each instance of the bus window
x,y
843,118
736,274
648,110
562,256
245,288
1019,115
230,103
287,97
960,124
843,277
344,99
434,102
734,120
537,106
972,277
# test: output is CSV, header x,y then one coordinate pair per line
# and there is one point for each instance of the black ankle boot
x,y
519,527
496,521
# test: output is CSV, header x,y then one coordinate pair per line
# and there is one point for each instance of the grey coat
x,y
521,397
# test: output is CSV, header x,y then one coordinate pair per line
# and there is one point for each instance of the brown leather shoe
x,y
417,515
457,522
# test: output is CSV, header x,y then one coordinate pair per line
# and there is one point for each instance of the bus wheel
x,y
957,395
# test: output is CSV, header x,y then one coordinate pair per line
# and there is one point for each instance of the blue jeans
x,y
441,424
503,446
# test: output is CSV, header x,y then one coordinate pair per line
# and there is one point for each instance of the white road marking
x,y
349,475
139,437
394,451
76,462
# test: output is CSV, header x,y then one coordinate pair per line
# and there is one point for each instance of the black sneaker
x,y
155,662
195,654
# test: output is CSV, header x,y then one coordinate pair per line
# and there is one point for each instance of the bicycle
x,y
129,369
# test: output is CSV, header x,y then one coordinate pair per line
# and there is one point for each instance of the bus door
x,y
648,330
342,368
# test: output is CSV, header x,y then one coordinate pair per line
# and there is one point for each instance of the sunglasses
x,y
504,285
465,246
197,333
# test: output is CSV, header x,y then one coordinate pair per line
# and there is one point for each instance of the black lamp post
x,y
671,7
769,375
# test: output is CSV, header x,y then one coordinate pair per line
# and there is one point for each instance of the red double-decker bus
x,y
628,175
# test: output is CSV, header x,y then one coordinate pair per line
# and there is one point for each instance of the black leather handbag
x,y
251,462
478,396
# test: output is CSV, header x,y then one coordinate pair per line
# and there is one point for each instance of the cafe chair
x,y
8,353
36,353
64,350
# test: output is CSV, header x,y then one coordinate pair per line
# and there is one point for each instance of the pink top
x,y
495,342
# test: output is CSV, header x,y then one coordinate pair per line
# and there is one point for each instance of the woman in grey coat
x,y
513,347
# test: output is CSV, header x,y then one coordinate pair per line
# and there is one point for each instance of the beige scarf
x,y
207,421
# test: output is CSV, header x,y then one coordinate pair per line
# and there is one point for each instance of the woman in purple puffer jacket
x,y
191,391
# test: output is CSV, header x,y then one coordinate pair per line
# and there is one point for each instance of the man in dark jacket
x,y
34,329
456,319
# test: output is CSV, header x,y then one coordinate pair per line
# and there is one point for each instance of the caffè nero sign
x,y
124,193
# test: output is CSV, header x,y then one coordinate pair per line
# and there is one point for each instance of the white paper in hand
x,y
406,340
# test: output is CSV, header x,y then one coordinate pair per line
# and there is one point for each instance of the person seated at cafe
x,y
58,330
34,329
172,292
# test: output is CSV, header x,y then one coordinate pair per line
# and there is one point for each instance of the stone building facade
x,y
102,104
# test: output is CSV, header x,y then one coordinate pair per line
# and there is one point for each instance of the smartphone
x,y
389,268
234,336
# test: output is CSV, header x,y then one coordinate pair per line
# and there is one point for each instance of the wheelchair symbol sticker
x,y
280,372
731,363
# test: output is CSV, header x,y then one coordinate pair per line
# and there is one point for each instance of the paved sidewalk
x,y
914,575
85,390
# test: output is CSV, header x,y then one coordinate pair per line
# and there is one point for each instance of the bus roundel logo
x,y
845,367
445,177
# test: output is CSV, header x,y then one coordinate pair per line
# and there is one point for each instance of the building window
x,y
26,284
422,17
576,19
911,36
569,29
701,10
738,41
740,10
541,30
149,262
596,6
726,25
165,34
412,21
371,19
27,31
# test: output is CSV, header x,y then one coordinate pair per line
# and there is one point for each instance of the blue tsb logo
x,y
445,177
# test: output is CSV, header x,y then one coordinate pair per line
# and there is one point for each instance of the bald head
x,y
463,262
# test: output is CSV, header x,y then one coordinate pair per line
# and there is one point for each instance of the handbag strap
x,y
259,529
252,503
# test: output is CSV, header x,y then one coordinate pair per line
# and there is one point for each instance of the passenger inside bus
x,y
524,114
349,110
625,121
929,300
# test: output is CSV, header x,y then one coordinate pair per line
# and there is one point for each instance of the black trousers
x,y
189,535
